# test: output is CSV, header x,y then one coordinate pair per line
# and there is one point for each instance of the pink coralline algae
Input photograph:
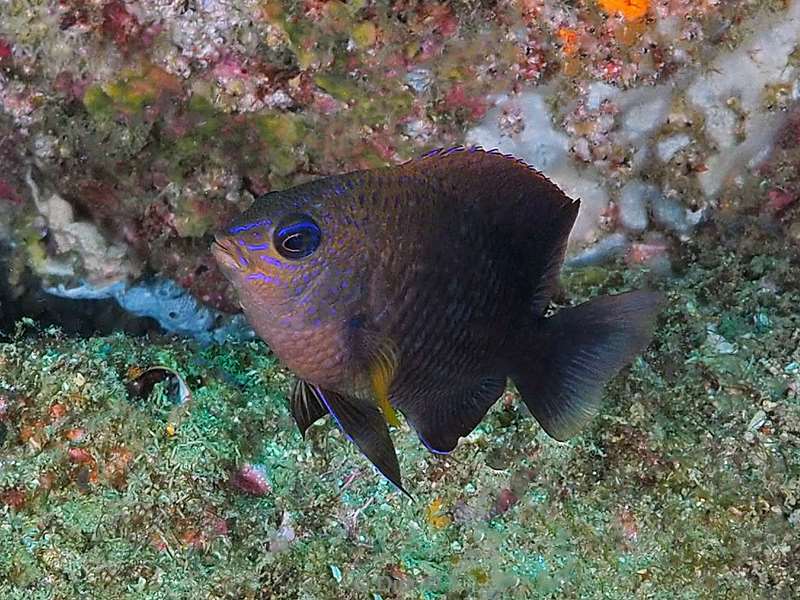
x,y
505,500
778,200
251,479
5,50
8,193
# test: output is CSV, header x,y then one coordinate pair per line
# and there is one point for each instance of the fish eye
x,y
297,236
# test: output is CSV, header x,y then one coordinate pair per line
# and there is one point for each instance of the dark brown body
x,y
445,265
456,314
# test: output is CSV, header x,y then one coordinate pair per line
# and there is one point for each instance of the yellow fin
x,y
381,373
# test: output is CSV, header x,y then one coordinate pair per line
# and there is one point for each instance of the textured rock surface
x,y
685,486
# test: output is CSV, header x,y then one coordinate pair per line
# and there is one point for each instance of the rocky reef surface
x,y
130,130
686,486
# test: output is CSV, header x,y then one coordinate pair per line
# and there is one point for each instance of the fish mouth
x,y
223,254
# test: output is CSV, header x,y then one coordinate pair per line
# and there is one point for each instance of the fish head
x,y
297,264
272,253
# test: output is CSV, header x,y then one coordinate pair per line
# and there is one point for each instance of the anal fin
x,y
441,419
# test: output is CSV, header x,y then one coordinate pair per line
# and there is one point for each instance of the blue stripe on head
x,y
256,247
272,261
249,226
296,228
265,278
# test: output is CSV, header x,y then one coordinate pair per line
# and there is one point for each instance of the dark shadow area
x,y
22,296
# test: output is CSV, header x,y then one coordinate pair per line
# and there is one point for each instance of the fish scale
x,y
423,287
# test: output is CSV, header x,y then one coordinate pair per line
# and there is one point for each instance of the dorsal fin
x,y
511,192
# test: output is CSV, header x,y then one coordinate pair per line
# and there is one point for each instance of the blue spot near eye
x,y
265,278
243,261
249,226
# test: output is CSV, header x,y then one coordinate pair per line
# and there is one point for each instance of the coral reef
x,y
152,123
687,485
129,130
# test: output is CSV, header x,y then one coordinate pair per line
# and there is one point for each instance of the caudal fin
x,y
560,372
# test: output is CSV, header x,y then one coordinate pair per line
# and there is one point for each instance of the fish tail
x,y
563,362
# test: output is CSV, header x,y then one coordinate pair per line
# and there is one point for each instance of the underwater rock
x,y
644,110
634,199
607,248
667,147
100,261
671,215
731,95
419,80
169,304
174,308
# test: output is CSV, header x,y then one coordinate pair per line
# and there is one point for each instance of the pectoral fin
x,y
383,367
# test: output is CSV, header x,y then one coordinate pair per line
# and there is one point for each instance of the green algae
x,y
340,87
687,485
129,94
